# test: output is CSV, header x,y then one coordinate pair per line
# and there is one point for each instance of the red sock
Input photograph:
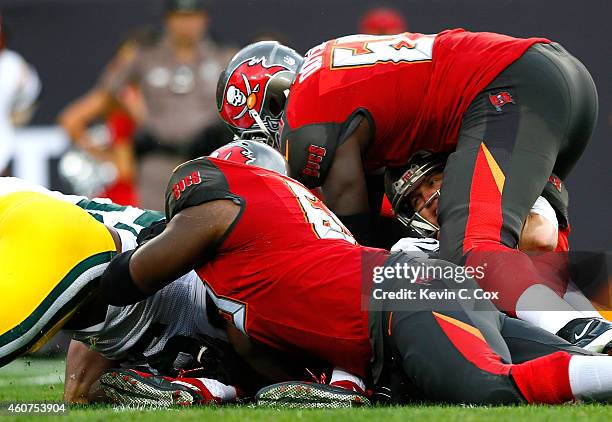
x,y
200,387
545,379
348,385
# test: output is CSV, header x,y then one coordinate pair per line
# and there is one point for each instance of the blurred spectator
x,y
177,77
111,143
19,89
382,21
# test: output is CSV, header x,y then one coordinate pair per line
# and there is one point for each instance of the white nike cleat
x,y
592,334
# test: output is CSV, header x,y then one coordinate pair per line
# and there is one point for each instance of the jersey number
x,y
324,223
231,310
368,50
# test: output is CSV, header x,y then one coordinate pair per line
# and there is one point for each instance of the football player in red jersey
x,y
285,273
414,192
511,112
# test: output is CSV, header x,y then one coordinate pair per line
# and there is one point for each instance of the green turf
x,y
28,380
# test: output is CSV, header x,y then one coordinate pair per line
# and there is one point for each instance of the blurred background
x,y
128,85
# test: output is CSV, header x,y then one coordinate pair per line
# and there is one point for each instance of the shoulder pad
x,y
310,151
196,182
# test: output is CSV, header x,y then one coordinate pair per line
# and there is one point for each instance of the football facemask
x,y
401,183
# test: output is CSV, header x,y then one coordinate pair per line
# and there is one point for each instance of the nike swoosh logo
x,y
578,337
427,248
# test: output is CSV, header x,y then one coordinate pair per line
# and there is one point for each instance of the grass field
x,y
28,380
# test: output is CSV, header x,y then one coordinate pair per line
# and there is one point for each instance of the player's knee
x,y
538,235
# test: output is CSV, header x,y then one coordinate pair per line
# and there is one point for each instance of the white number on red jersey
x,y
368,50
232,310
324,223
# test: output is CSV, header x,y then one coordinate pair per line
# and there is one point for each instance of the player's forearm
x,y
187,241
83,367
347,197
345,190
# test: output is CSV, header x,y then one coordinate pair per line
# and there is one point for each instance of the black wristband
x,y
151,232
360,225
118,288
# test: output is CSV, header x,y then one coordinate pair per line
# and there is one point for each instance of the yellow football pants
x,y
50,252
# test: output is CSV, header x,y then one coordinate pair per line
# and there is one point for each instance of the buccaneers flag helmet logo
x,y
245,91
500,99
235,152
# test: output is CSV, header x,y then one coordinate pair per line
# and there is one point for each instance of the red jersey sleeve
x,y
414,88
196,182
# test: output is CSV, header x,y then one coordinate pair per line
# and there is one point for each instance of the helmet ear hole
x,y
405,207
276,106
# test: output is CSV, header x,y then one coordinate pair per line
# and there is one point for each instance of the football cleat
x,y
129,387
592,334
297,394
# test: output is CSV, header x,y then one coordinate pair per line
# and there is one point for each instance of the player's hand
x,y
416,244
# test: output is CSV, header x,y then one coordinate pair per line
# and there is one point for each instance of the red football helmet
x,y
253,88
